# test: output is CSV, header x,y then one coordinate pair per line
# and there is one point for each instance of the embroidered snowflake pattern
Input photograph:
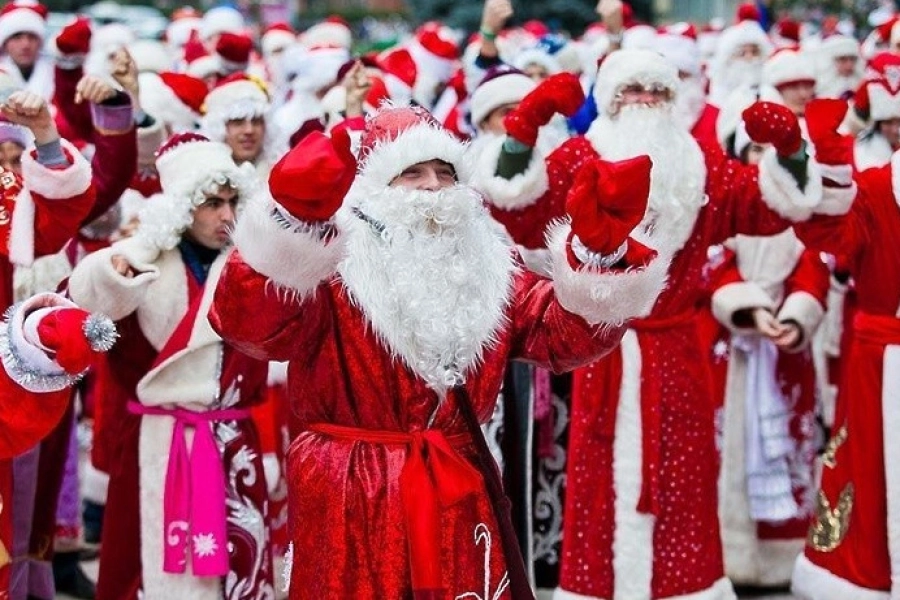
x,y
483,536
205,545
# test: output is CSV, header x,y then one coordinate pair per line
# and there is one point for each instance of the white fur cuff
x,y
780,190
720,590
603,297
28,363
836,201
57,184
96,286
734,297
509,194
297,260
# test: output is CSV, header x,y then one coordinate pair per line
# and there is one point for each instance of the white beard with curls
x,y
432,272
678,176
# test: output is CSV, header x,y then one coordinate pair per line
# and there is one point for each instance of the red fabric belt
x,y
882,330
434,476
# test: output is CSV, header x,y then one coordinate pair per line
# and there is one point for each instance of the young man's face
x,y
493,123
430,175
797,95
23,49
11,156
245,137
214,219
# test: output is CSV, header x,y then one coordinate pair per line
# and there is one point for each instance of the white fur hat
x,y
330,32
235,97
678,43
624,67
165,216
276,37
398,137
788,66
536,56
312,69
835,46
219,20
498,87
743,33
21,17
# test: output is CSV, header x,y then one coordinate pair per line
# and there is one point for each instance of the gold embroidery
x,y
830,525
829,456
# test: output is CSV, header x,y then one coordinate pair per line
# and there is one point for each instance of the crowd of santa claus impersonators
x,y
651,267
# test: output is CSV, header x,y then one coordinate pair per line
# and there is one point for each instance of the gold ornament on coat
x,y
830,525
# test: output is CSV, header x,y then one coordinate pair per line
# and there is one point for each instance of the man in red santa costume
x,y
839,67
771,298
853,545
23,26
184,519
638,413
397,299
877,101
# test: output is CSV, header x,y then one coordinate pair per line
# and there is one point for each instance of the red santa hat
x,y
22,16
435,50
400,73
174,98
747,12
233,50
627,67
788,66
879,94
678,43
788,30
333,31
179,30
220,19
166,216
237,96
276,38
396,138
501,85
313,69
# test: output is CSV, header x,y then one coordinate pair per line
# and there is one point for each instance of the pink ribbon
x,y
194,519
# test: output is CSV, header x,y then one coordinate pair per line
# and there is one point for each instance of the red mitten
x,y
823,118
560,93
75,38
75,337
311,180
608,200
771,123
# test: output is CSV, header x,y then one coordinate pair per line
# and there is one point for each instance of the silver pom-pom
x,y
100,332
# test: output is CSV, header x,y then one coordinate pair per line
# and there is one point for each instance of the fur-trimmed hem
x,y
57,184
521,191
781,192
297,260
763,563
608,296
891,423
27,363
720,590
807,311
812,582
734,297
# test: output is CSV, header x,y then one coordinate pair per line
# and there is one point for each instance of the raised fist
x,y
75,337
772,123
823,118
311,180
560,93
75,38
608,200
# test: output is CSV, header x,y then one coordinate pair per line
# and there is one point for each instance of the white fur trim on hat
x,y
26,362
632,66
883,105
179,31
501,90
204,66
788,66
681,51
536,56
275,40
745,32
235,100
328,34
603,297
439,67
417,144
312,70
836,46
21,20
295,257
219,20
160,101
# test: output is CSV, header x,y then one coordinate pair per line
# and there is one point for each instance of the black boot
x,y
70,578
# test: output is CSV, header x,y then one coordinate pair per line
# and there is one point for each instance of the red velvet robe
x,y
346,518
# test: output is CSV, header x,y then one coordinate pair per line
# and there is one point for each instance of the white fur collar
x,y
436,303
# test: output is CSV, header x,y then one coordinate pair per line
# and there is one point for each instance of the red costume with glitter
x,y
385,502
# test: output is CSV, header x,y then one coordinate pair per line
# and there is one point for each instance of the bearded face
x,y
678,177
690,102
432,273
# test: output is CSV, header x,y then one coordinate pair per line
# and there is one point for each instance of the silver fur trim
x,y
100,332
20,371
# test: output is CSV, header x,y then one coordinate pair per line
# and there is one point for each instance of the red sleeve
x,y
810,276
76,116
114,166
27,417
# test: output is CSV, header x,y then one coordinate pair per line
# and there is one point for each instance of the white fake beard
x,y
678,177
831,85
742,72
689,102
434,283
